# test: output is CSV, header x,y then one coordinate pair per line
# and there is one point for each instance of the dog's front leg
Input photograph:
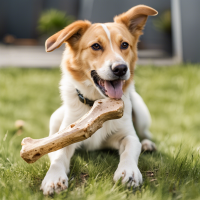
x,y
142,121
129,150
56,178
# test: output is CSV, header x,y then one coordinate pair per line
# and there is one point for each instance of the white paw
x,y
129,173
148,145
55,180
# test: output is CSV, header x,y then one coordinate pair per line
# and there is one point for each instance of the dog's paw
x,y
129,173
148,145
54,181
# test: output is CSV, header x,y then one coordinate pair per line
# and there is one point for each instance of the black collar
x,y
83,99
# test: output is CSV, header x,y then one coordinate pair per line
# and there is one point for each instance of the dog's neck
x,y
88,90
68,88
83,99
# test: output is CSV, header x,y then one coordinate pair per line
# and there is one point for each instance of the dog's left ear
x,y
136,17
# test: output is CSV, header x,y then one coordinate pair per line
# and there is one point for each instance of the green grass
x,y
173,172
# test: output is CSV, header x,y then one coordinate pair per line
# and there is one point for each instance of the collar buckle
x,y
83,99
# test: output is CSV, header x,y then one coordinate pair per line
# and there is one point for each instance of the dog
x,y
98,62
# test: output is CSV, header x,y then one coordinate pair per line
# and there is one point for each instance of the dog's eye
x,y
96,47
124,45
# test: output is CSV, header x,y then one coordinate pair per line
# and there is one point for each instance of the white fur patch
x,y
108,35
109,38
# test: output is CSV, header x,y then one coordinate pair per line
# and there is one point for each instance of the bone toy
x,y
102,110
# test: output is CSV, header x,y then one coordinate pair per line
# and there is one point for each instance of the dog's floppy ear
x,y
136,17
71,34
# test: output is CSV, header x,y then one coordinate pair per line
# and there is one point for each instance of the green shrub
x,y
52,21
163,22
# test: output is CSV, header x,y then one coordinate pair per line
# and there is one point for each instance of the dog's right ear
x,y
70,34
135,18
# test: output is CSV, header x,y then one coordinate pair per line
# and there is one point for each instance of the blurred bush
x,y
52,21
163,22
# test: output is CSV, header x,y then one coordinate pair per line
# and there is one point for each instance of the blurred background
x,y
171,37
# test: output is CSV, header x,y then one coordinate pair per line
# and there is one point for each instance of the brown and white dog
x,y
99,62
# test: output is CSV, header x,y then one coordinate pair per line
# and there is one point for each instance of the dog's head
x,y
103,53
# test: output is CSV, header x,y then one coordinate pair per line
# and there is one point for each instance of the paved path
x,y
28,56
36,57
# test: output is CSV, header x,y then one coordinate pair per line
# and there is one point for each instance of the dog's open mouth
x,y
112,89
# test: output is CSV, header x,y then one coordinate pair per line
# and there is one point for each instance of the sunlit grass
x,y
172,95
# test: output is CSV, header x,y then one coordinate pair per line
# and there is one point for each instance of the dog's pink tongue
x,y
114,90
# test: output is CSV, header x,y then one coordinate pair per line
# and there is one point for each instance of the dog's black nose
x,y
120,70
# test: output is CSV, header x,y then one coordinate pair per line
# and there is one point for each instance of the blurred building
x,y
19,19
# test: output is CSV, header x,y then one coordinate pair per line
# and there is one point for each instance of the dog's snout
x,y
120,70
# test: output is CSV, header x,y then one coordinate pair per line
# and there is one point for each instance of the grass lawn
x,y
173,172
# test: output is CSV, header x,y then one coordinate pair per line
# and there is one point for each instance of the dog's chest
x,y
76,109
108,129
